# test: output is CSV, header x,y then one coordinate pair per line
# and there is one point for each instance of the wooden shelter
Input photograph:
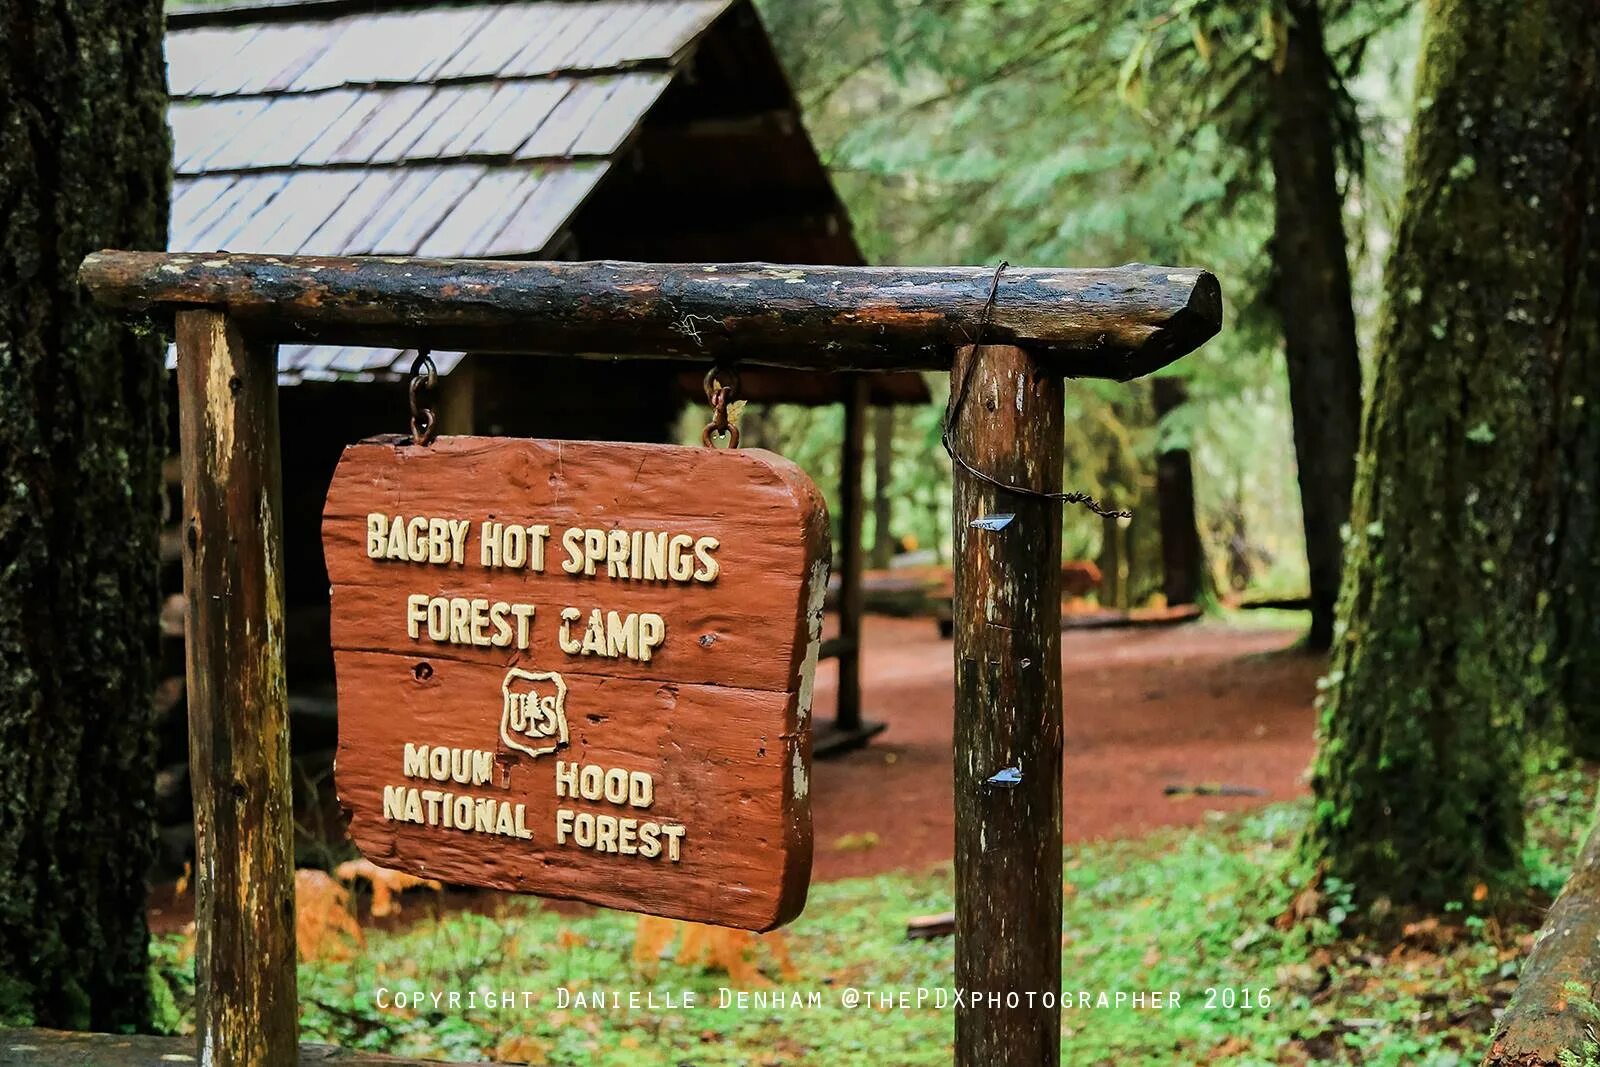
x,y
623,129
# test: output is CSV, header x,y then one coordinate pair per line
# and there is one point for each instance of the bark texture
x,y
1312,292
1104,322
84,154
1571,711
238,700
1008,732
1548,1016
1486,346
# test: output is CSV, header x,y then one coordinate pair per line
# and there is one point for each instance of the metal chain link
x,y
424,376
722,386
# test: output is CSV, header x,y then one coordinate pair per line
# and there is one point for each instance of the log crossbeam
x,y
1118,322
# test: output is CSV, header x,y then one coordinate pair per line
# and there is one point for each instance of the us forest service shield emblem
x,y
533,716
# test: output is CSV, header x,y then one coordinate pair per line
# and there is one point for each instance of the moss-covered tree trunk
x,y
1486,342
84,158
1572,710
1311,288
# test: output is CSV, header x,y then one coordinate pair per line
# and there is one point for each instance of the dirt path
x,y
1203,703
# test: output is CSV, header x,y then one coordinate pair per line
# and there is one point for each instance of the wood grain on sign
x,y
624,719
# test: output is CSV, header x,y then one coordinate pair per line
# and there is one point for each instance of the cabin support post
x,y
1008,708
883,546
848,730
851,500
238,700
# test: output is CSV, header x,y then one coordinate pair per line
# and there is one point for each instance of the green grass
x,y
1187,911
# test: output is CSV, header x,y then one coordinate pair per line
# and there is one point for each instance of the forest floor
x,y
1161,894
1188,911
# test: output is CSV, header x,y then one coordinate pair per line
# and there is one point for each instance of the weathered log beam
x,y
1118,322
1551,1012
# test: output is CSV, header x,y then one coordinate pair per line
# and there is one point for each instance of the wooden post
x,y
458,399
883,546
848,719
1008,711
238,702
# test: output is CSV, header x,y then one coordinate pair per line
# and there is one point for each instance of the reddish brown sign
x,y
580,669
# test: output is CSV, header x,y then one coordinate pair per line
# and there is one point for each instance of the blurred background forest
x,y
1090,133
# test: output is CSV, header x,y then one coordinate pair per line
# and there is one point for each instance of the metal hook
x,y
721,385
424,375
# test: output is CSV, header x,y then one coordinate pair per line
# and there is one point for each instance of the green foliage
x,y
1579,997
171,980
1079,132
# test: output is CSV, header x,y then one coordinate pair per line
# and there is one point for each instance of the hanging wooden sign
x,y
580,669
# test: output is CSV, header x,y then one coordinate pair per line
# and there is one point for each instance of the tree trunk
x,y
84,161
1183,563
1544,1018
1112,561
1487,339
1572,710
1312,293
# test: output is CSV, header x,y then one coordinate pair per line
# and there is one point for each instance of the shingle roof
x,y
459,131
480,128
471,130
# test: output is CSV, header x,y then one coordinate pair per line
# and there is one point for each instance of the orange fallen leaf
x,y
324,929
778,945
855,842
387,885
653,936
714,947
522,1049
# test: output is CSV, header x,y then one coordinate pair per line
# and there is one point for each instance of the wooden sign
x,y
580,669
